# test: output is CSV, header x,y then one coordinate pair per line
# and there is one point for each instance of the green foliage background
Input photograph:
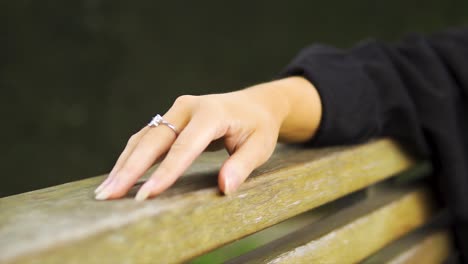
x,y
78,77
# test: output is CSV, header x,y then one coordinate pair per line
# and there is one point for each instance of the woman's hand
x,y
249,122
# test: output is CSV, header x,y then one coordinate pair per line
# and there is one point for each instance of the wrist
x,y
294,105
304,112
272,99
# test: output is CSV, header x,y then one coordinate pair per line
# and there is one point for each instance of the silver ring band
x,y
158,120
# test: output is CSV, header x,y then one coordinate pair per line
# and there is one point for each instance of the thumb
x,y
255,151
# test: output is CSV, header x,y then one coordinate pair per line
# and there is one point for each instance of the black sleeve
x,y
415,91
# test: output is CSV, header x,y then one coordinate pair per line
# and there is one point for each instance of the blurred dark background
x,y
78,77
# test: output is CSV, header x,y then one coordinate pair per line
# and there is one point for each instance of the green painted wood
x,y
65,222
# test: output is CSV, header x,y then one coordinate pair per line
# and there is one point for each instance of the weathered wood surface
x,y
65,222
430,245
352,234
434,249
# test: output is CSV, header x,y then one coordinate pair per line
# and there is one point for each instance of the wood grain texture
x,y
352,234
434,249
431,244
65,222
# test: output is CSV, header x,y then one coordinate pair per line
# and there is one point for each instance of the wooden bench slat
x,y
65,222
265,236
352,234
429,244
434,249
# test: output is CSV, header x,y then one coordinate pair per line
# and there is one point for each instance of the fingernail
x,y
103,195
103,184
145,190
142,195
100,187
107,190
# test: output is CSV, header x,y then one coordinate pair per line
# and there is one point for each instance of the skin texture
x,y
248,123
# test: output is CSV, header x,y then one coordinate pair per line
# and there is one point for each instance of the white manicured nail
x,y
103,195
102,185
142,195
99,188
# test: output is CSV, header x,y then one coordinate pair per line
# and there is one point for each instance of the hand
x,y
249,121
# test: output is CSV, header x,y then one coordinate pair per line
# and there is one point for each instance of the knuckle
x,y
133,139
264,157
185,100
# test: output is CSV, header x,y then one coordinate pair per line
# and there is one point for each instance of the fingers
x,y
215,145
255,151
189,145
141,156
150,147
131,144
252,140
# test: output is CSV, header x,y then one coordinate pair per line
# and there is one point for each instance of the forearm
x,y
414,91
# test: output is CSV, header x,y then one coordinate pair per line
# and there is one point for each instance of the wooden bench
x,y
349,199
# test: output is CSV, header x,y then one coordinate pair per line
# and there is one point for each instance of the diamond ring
x,y
158,120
